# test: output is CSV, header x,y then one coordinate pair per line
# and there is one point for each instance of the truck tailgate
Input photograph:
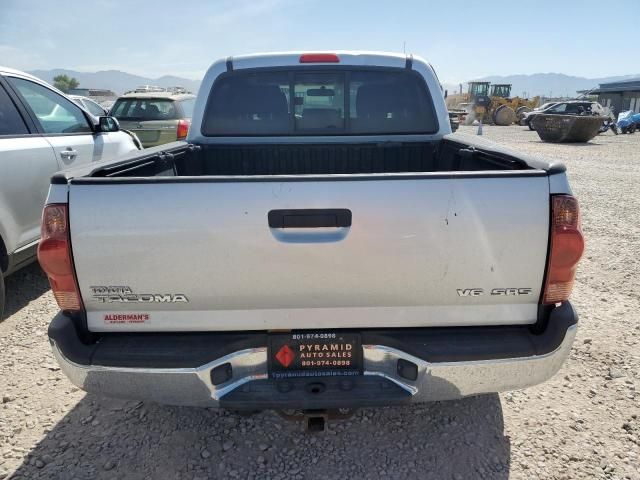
x,y
199,254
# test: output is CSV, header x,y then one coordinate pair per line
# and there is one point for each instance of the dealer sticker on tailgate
x,y
314,354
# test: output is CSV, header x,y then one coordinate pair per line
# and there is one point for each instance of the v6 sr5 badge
x,y
477,292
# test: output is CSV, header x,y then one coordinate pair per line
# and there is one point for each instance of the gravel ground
x,y
581,424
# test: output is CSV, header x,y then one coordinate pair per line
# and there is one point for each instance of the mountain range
x,y
544,84
117,81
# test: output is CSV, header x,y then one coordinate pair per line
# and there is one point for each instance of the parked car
x,y
107,104
155,117
99,95
540,108
544,106
628,121
571,107
41,131
320,241
94,108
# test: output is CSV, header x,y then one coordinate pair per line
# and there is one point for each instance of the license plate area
x,y
314,354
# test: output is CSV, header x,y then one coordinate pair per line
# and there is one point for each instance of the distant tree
x,y
65,83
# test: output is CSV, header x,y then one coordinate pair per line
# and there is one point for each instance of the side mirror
x,y
446,93
108,124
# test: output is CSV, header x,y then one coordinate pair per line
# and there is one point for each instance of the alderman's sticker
x,y
126,318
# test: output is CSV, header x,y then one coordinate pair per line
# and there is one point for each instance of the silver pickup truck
x,y
320,241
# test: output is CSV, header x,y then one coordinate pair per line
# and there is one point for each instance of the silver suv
x,y
41,131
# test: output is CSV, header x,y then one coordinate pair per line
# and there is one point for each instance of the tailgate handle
x,y
310,218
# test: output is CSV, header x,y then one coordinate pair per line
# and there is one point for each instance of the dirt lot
x,y
582,424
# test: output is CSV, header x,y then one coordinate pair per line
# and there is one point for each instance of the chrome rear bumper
x,y
435,380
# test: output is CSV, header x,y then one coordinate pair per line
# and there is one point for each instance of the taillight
x,y
319,58
54,255
183,129
567,245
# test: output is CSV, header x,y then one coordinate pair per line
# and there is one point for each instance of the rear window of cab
x,y
319,102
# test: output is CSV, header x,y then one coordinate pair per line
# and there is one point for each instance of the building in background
x,y
96,94
620,96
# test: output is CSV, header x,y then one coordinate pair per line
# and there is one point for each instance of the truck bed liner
x,y
455,153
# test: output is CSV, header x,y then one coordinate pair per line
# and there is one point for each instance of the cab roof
x,y
293,58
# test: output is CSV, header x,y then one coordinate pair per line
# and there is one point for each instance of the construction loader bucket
x,y
567,128
504,115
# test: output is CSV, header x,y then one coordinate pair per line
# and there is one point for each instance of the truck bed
x,y
455,153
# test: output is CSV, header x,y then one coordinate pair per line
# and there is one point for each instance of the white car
x,y
41,131
94,108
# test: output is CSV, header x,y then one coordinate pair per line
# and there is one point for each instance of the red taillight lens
x,y
319,58
54,255
183,129
567,245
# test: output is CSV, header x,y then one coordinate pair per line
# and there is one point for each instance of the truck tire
x,y
504,115
1,296
520,111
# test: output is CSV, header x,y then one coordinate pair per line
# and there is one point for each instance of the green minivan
x,y
155,117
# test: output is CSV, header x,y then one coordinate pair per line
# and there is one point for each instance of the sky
x,y
463,39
